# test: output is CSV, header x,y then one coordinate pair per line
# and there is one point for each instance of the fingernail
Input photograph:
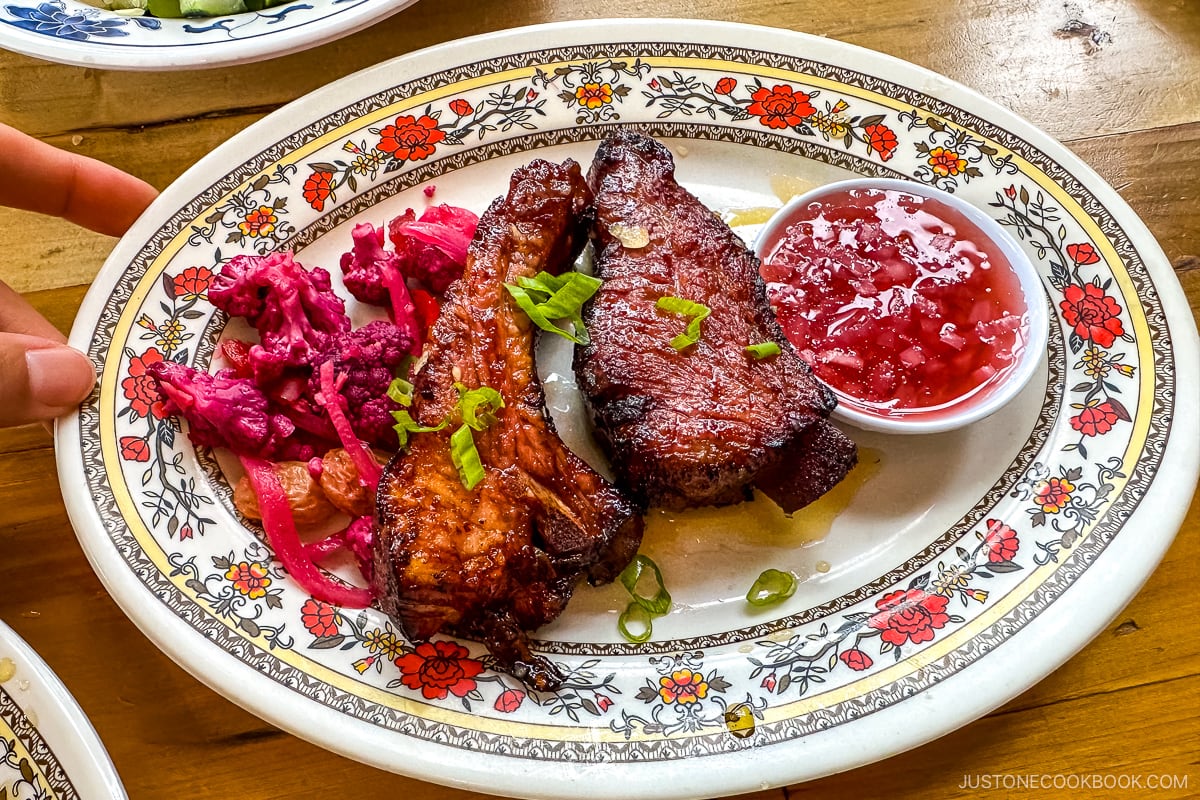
x,y
59,377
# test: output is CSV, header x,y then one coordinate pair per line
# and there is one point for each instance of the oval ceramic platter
x,y
48,749
949,573
72,32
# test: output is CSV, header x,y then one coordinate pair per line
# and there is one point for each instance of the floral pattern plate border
x,y
720,710
48,749
73,32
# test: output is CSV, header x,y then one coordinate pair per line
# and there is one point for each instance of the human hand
x,y
40,377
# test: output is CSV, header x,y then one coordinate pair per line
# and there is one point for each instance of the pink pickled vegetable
x,y
449,240
320,550
281,533
368,468
360,537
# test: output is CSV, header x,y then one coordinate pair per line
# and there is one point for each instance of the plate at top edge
x,y
48,748
1005,547
73,32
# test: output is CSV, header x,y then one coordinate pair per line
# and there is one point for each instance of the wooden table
x,y
1117,80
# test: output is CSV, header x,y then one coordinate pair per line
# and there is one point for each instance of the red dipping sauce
x,y
897,301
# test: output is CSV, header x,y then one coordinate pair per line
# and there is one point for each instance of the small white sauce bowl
x,y
972,406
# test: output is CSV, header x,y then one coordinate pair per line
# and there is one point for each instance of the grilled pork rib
x,y
698,426
493,562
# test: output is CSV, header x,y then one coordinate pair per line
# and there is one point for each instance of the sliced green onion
x,y
549,297
660,602
763,350
697,312
405,425
401,391
566,292
771,587
641,618
478,407
466,457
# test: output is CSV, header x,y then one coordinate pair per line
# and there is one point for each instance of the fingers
x,y
42,178
17,316
40,379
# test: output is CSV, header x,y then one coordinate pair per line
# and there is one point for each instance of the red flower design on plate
x,y
249,578
594,95
1011,192
140,388
856,659
318,188
1053,494
603,702
780,107
259,222
319,619
1001,540
682,686
509,701
909,615
946,162
725,86
438,669
882,140
411,138
1095,419
1092,313
135,448
461,107
192,282
1083,253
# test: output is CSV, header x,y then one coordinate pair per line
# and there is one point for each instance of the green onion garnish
x,y
771,587
763,350
697,312
641,618
401,391
549,297
405,425
644,608
478,407
657,604
466,457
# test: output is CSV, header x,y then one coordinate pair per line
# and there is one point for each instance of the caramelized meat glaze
x,y
702,425
496,561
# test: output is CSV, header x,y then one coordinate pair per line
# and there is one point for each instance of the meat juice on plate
x,y
897,302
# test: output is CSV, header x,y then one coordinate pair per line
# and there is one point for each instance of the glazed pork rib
x,y
702,425
493,562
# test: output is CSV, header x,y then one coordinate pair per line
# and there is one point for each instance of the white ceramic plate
x,y
968,566
48,749
71,32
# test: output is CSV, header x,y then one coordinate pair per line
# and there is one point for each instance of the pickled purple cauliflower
x,y
294,310
433,249
363,266
268,407
376,276
367,360
223,410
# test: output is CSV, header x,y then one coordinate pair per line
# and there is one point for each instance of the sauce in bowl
x,y
897,300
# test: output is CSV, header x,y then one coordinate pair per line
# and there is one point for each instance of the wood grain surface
x,y
1118,81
